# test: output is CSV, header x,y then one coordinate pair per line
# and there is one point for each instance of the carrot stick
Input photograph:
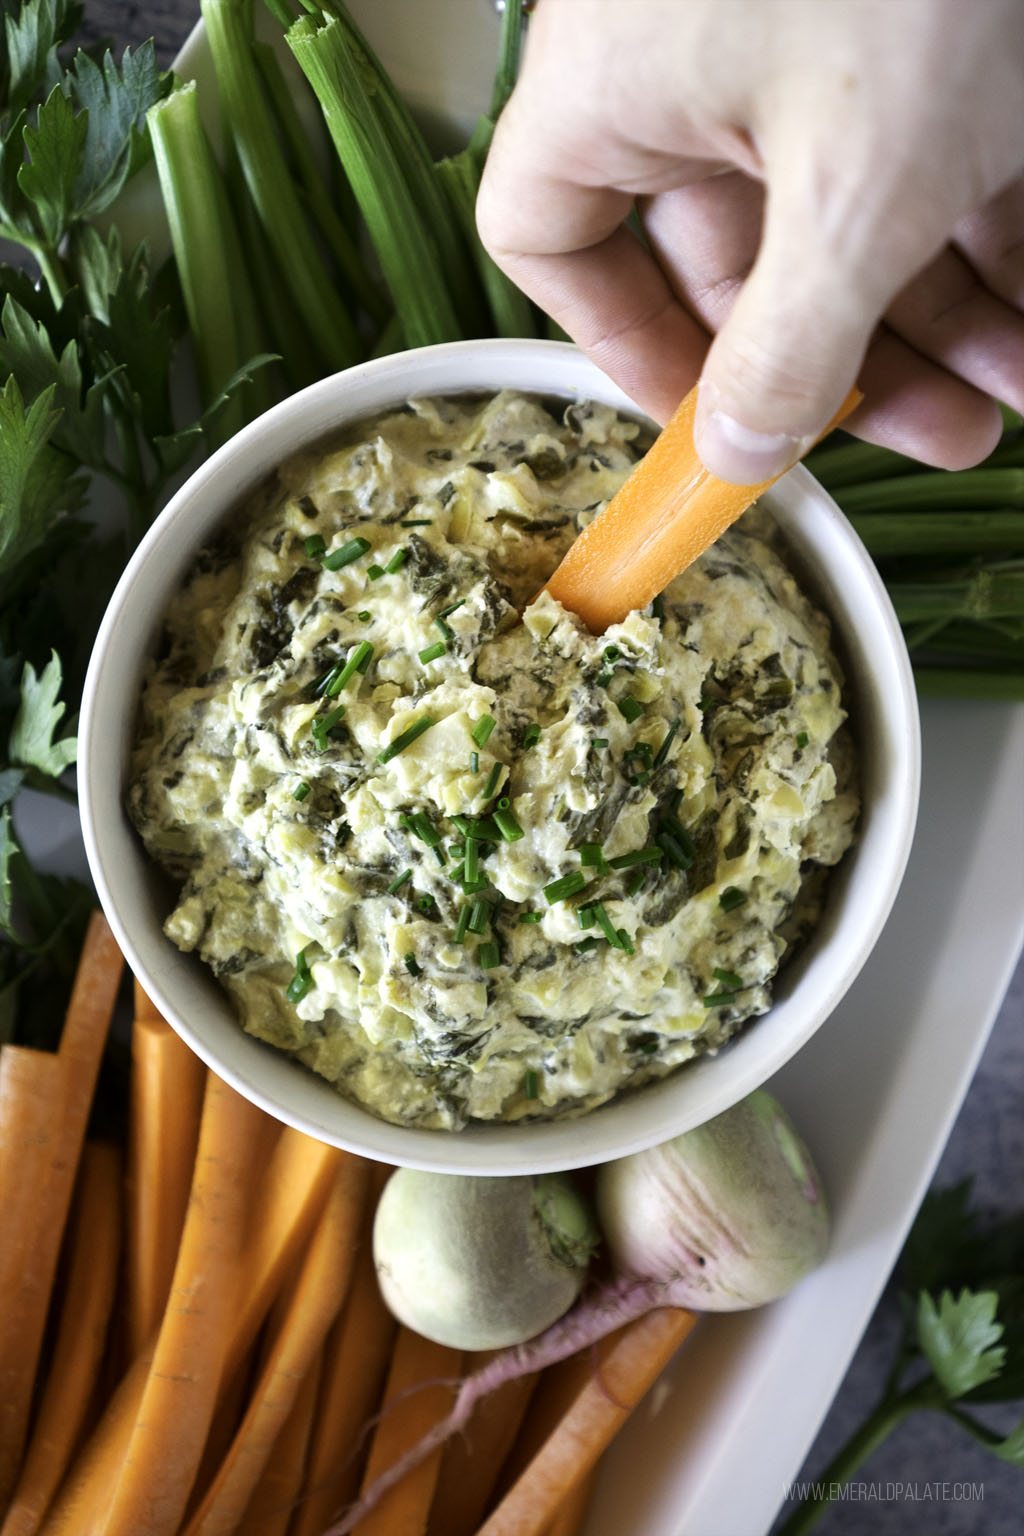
x,y
630,1361
419,1392
166,1099
315,1301
269,1511
32,1243
180,1393
471,1461
94,1241
355,1367
668,512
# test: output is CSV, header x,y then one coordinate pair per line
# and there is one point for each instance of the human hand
x,y
833,189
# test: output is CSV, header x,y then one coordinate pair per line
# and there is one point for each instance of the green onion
x,y
412,965
507,825
474,762
531,1085
426,902
325,685
591,855
479,914
375,572
631,709
482,730
302,981
463,923
346,553
406,738
396,562
459,603
568,885
662,752
399,881
301,790
731,898
586,917
323,725
604,922
727,978
531,736
718,999
492,781
314,546
357,661
432,652
471,862
530,917
625,942
637,856
424,829
586,945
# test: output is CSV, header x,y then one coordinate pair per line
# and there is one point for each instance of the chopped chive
x,y
396,562
591,855
604,677
357,661
364,615
314,546
424,829
530,917
302,981
492,781
586,917
731,898
463,923
416,522
637,856
504,803
662,752
486,830
472,859
531,1084
432,652
802,739
474,762
586,945
727,978
566,886
375,572
483,728
625,942
507,825
718,999
480,883
426,902
674,849
636,882
630,709
604,922
399,881
531,735
345,554
444,612
323,725
611,653
301,790
412,965
479,915
406,738
599,742
444,629
326,682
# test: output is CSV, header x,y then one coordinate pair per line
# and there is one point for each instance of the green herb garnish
x,y
301,790
399,881
630,709
432,652
406,738
482,730
566,886
346,553
731,898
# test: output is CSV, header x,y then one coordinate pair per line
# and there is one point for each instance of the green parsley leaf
x,y
38,717
959,1338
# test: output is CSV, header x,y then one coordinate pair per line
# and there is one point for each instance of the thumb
x,y
789,351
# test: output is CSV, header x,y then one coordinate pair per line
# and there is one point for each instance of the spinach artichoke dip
x,y
471,862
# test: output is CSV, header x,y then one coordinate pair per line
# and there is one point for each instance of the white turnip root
x,y
726,1216
480,1263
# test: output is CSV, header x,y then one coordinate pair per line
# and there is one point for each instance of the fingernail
x,y
740,455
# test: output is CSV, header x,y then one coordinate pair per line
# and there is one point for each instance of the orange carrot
x,y
46,1174
94,1240
355,1366
472,1461
419,1393
166,1099
630,1361
314,1303
668,512
177,1403
269,1511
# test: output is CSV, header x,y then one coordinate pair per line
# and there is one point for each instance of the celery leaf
x,y
32,743
37,484
959,1337
55,147
115,103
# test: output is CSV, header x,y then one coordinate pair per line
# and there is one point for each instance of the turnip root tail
x,y
609,1307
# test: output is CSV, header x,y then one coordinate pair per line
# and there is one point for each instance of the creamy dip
x,y
469,866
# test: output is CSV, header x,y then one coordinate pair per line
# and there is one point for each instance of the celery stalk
x,y
933,490
940,533
277,202
221,311
968,683
408,252
991,592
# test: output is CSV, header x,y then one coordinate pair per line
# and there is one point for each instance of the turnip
x,y
480,1263
726,1216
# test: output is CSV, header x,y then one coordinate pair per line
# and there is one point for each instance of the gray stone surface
x,y
926,1452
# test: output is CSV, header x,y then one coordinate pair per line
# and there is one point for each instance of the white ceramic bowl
x,y
833,565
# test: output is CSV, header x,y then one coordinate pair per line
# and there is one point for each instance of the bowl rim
x,y
635,1119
